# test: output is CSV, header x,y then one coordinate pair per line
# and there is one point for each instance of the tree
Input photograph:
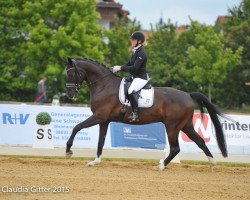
x,y
11,61
37,36
237,33
211,60
167,52
161,55
168,57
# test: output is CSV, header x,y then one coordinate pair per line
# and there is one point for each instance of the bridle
x,y
77,85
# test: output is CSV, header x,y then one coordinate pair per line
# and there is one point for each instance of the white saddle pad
x,y
145,100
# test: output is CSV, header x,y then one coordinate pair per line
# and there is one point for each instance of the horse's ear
x,y
69,60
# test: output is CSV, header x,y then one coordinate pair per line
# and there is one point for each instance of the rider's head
x,y
137,38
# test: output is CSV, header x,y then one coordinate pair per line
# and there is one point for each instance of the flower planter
x,y
43,137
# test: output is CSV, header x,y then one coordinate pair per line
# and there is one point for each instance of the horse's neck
x,y
94,73
97,76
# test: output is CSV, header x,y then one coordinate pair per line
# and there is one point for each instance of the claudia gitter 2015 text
x,y
34,189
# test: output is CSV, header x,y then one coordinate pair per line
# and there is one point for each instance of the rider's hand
x,y
116,68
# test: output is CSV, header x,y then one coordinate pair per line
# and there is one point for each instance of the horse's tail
x,y
203,102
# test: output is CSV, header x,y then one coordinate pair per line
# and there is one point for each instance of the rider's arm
x,y
137,64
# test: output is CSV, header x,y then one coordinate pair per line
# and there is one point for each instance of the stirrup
x,y
133,117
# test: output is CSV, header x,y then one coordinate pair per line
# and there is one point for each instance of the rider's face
x,y
133,42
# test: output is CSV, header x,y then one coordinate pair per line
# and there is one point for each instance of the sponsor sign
x,y
18,125
150,136
237,134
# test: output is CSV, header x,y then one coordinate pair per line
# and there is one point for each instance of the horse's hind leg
x,y
173,134
193,135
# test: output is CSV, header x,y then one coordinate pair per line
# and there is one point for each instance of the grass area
x,y
190,162
225,164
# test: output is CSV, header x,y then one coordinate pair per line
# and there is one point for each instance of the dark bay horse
x,y
172,107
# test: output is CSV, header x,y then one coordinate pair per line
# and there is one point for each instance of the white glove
x,y
116,68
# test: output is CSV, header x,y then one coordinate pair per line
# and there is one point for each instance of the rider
x,y
137,68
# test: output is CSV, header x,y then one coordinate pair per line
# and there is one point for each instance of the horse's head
x,y
74,79
83,69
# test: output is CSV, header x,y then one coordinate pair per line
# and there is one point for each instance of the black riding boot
x,y
134,105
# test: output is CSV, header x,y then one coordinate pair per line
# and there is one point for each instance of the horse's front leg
x,y
102,136
91,121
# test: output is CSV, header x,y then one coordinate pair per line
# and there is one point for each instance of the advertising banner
x,y
18,125
236,129
150,136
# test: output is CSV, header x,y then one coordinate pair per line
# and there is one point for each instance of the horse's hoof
x,y
69,154
212,166
90,164
94,162
161,166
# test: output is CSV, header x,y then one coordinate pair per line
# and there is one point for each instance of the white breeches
x,y
137,84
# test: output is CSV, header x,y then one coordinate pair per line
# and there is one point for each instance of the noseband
x,y
75,85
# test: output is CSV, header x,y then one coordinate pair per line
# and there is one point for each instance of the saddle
x,y
145,95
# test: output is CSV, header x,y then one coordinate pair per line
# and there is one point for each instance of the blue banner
x,y
150,136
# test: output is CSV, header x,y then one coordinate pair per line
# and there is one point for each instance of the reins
x,y
76,85
91,83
